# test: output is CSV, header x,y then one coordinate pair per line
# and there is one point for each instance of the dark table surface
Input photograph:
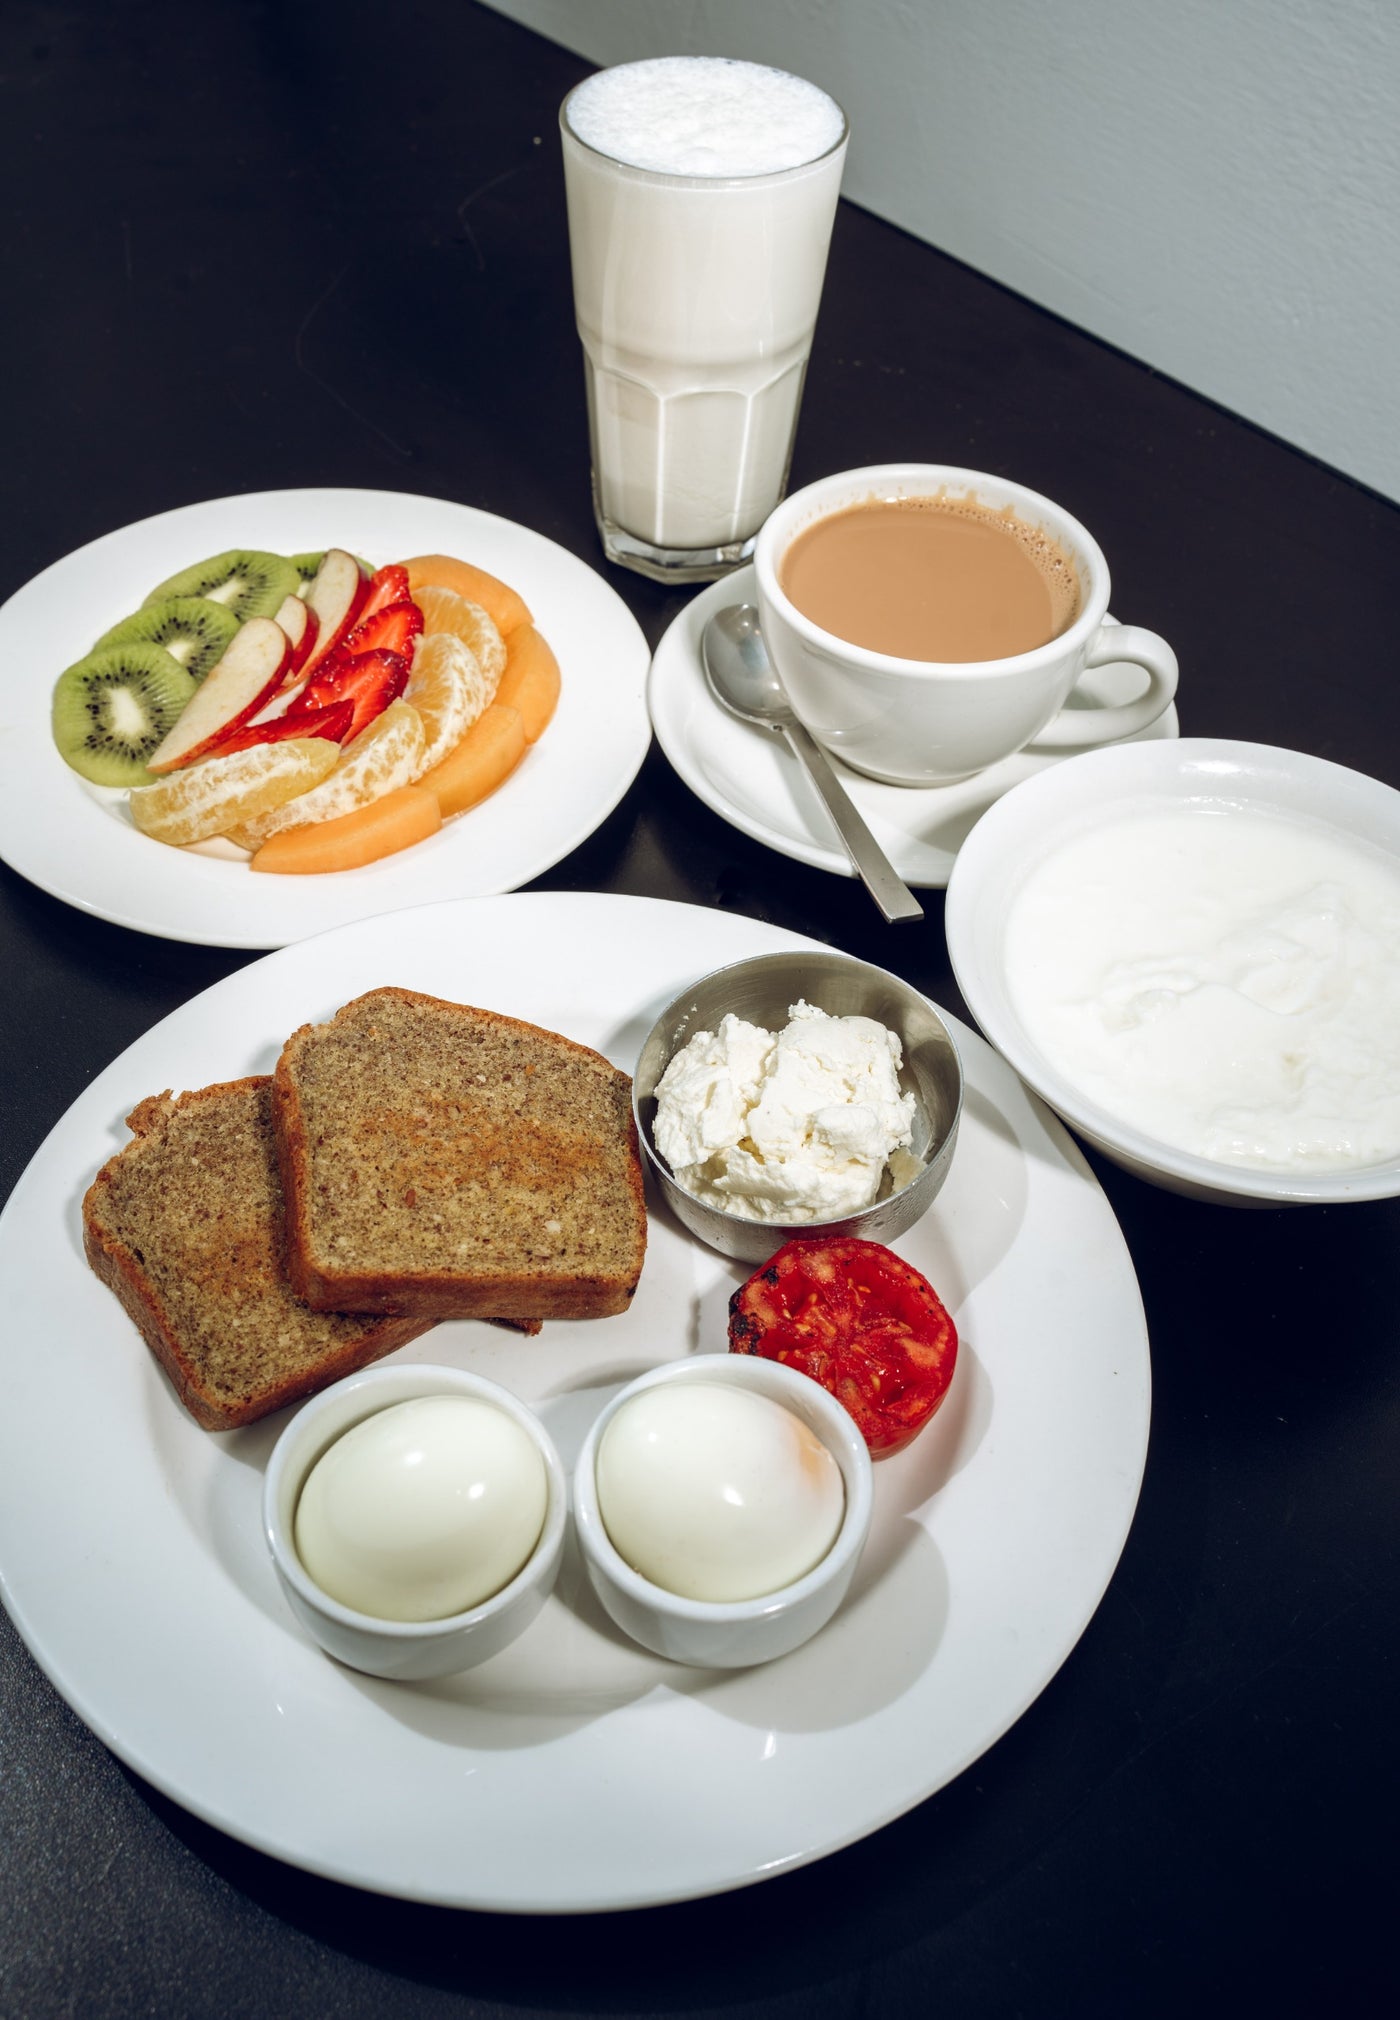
x,y
252,246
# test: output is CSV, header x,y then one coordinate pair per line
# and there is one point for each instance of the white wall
x,y
1212,185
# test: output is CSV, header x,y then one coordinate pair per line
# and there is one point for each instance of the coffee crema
x,y
939,578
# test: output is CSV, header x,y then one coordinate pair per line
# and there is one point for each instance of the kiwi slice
x,y
111,709
249,582
193,630
306,566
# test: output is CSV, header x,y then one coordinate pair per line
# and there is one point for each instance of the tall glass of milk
x,y
701,194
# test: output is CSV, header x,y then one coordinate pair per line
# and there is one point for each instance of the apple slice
x,y
301,625
230,694
336,598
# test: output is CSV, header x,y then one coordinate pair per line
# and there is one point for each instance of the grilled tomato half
x,y
861,1321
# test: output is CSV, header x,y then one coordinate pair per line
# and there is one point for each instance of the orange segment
x,y
531,679
485,757
445,610
383,757
396,821
449,692
441,571
205,799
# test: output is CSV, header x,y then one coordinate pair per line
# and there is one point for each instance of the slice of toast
x,y
185,1225
449,1162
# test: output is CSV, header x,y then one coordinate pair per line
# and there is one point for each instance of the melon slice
x,y
505,605
396,821
483,760
531,680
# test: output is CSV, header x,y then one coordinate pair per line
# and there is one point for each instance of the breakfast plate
x,y
76,841
750,778
550,1779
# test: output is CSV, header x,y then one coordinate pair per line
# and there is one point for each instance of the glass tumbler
x,y
696,296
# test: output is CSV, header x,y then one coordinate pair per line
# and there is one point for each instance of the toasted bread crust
x,y
566,1137
228,1257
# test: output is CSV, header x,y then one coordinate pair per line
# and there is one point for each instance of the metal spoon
x,y
744,681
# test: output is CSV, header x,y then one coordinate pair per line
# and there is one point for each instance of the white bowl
x,y
708,1633
1020,831
408,1650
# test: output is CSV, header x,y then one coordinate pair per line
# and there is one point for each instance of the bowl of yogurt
x,y
721,1506
415,1517
798,1094
1191,950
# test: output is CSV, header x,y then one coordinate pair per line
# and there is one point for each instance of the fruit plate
x,y
573,1771
76,841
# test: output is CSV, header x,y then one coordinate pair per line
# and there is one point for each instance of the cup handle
x,y
1073,728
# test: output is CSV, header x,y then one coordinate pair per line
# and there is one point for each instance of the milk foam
x,y
705,116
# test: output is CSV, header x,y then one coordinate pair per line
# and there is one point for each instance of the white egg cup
x,y
409,1650
707,1633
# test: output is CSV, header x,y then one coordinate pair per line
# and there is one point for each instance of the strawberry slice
x,y
392,629
388,585
371,680
332,722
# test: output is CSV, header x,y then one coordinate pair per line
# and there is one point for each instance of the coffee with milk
x,y
932,578
928,621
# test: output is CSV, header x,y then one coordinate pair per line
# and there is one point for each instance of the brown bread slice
x,y
450,1162
185,1225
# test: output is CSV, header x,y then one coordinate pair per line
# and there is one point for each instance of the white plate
x,y
77,842
750,778
573,1771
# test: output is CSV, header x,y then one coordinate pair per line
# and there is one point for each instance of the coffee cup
x,y
916,720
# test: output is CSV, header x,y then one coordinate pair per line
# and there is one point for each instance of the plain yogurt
x,y
1225,980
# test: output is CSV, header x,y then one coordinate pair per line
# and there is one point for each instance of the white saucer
x,y
751,780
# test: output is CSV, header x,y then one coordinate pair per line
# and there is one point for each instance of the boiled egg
x,y
715,1492
423,1510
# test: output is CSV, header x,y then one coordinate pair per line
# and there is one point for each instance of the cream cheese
x,y
1225,980
793,1126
